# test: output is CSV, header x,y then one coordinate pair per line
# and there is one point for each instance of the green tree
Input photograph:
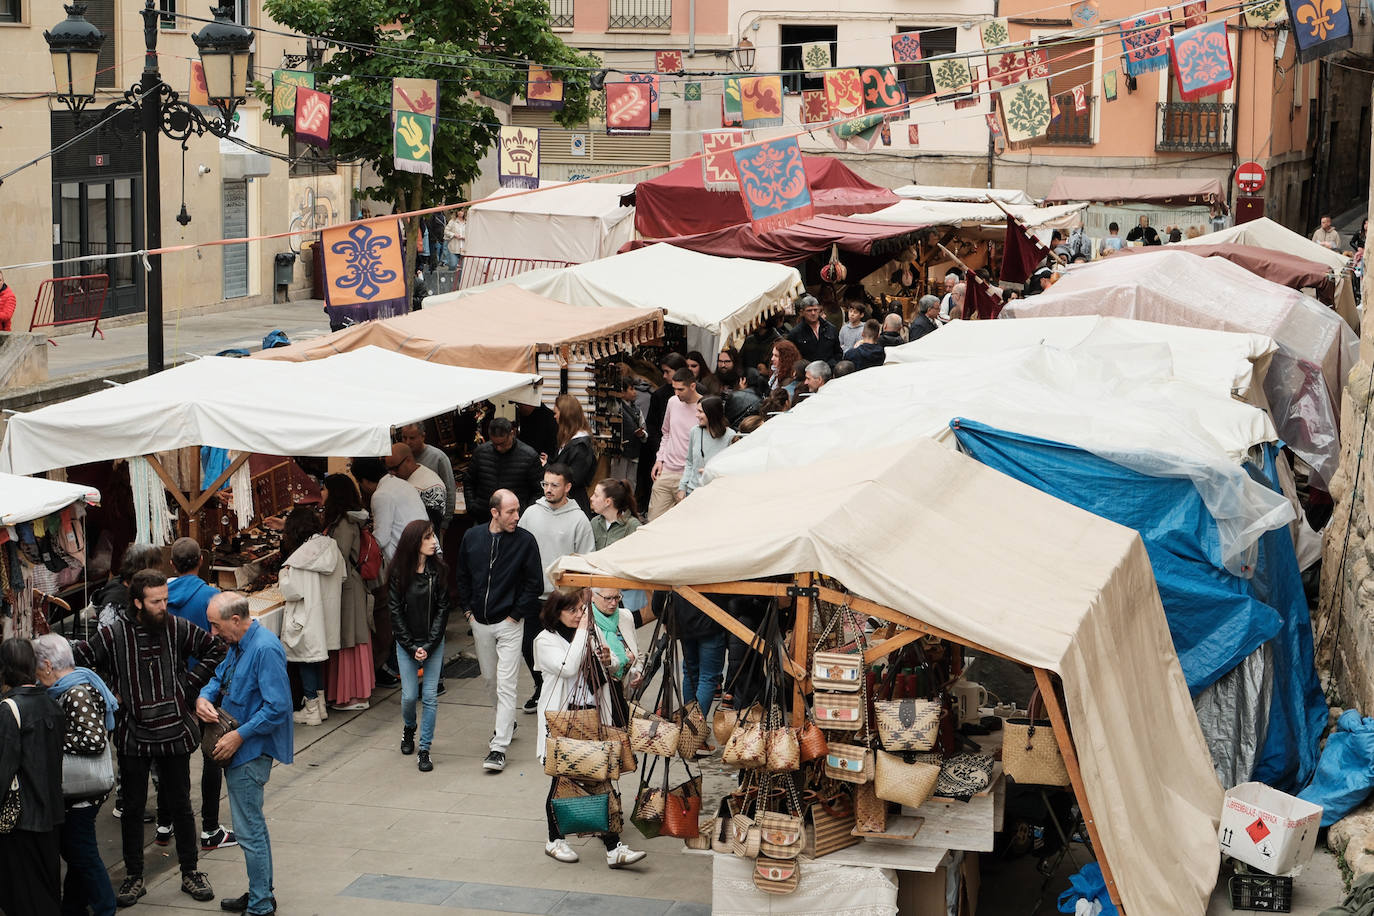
x,y
470,46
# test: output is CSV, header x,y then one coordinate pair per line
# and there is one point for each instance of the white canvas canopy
x,y
971,215
723,296
972,195
23,499
563,222
344,405
1042,582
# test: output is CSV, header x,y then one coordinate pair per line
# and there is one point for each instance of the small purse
x,y
647,815
776,876
682,810
910,784
780,835
654,735
744,836
907,725
870,811
849,763
565,787
211,732
837,671
839,711
811,741
782,750
582,724
705,836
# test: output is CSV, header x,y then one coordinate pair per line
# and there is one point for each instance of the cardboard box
x,y
953,887
1268,829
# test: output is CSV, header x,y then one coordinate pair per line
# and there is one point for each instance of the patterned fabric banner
x,y
816,56
651,81
1194,14
1084,13
284,85
994,123
668,61
846,130
883,92
761,101
413,142
1006,69
517,159
628,108
691,92
1026,109
199,95
1145,42
542,90
1109,86
772,181
913,135
730,113
844,93
364,264
951,76
1037,64
1080,98
994,33
906,47
1320,27
312,116
1054,108
815,110
416,95
1258,15
1202,61
718,159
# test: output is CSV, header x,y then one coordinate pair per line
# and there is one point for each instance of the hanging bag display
x,y
811,742
650,802
910,784
586,760
682,810
776,876
582,813
565,787
692,730
907,724
831,826
744,836
849,763
780,833
837,671
839,711
654,735
1030,751
582,724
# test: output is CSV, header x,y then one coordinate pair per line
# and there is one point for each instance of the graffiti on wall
x,y
314,210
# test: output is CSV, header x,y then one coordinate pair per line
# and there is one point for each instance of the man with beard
x,y
145,658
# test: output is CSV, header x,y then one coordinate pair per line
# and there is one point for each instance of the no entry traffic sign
x,y
1251,177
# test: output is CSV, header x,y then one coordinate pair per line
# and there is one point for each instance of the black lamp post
x,y
224,47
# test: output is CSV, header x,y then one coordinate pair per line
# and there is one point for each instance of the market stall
x,y
794,245
43,549
1066,591
1181,202
1279,267
967,195
980,220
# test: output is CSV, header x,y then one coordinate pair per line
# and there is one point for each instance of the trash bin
x,y
285,268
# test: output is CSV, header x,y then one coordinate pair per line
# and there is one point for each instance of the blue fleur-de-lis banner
x,y
364,270
1320,27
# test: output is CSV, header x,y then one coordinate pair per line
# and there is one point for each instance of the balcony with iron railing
x,y
561,14
1072,127
642,15
1195,127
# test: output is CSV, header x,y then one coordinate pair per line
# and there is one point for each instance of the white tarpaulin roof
x,y
563,222
1122,403
725,296
23,499
1316,347
941,192
954,213
343,405
1265,233
1043,582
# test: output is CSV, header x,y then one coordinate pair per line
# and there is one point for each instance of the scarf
x,y
609,625
87,676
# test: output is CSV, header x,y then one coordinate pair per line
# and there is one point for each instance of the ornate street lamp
x,y
75,48
744,54
225,47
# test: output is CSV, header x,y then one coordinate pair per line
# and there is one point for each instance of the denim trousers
x,y
87,883
411,689
703,662
246,782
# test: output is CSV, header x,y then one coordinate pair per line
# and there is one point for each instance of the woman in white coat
x,y
311,581
560,649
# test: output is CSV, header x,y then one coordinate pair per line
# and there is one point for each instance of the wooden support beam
x,y
1060,721
169,483
718,614
891,644
874,609
597,580
801,638
209,491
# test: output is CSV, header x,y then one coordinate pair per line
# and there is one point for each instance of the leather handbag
x,y
907,725
831,828
870,811
588,760
9,807
1030,751
910,784
654,735
811,742
211,732
744,836
582,813
88,775
849,763
776,876
746,748
682,810
693,730
837,671
839,711
782,750
582,724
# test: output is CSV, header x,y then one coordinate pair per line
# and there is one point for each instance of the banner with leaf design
x,y
730,113
1267,12
815,57
994,33
761,101
1202,61
628,108
312,116
1006,68
1145,42
413,143
951,76
1026,110
1320,27
415,95
906,47
772,181
284,85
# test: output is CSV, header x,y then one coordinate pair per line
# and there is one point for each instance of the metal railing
x,y
1071,128
1187,127
643,15
478,269
70,300
561,14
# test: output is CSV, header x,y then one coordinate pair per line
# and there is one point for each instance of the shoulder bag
x,y
910,784
776,876
9,808
907,725
838,671
682,810
832,826
88,775
1030,752
849,763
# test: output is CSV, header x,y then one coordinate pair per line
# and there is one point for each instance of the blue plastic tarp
x,y
1216,619
1345,774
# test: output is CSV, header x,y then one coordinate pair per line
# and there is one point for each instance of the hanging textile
x,y
772,181
980,300
730,115
1026,107
1202,61
517,157
1320,27
1109,86
1267,12
312,116
1145,42
691,92
1022,254
906,47
883,92
668,61
415,95
1194,14
951,76
1084,13
542,90
761,101
651,81
1037,64
1080,98
628,108
364,264
816,56
844,92
718,159
815,110
1006,69
152,520
913,135
412,143
284,86
994,33
241,482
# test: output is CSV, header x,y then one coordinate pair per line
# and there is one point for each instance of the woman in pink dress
x,y
350,676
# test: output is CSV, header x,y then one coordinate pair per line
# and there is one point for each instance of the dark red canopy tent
x,y
793,245
677,202
1279,267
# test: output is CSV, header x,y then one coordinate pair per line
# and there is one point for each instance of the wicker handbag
x,y
870,811
776,876
849,763
654,735
570,788
582,724
910,784
1030,751
587,760
811,742
831,828
744,836
839,711
842,672
746,748
628,763
907,725
582,813
780,835
693,730
705,835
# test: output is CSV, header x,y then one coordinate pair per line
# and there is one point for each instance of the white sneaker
x,y
560,850
623,855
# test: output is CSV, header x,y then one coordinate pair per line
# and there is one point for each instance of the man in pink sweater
x,y
678,421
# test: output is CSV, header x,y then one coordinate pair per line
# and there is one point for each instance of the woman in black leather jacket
x,y
419,605
576,449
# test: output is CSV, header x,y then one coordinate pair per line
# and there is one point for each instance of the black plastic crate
x,y
1265,893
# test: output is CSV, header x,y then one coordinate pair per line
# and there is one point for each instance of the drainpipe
x,y
992,146
1235,125
691,28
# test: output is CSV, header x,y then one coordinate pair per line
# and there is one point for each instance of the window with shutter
x,y
624,150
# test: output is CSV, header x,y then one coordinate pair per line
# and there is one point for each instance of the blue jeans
x,y
245,805
410,688
87,883
703,663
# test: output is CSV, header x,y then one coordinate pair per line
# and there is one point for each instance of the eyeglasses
x,y
615,597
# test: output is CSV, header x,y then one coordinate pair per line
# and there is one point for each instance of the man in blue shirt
x,y
251,685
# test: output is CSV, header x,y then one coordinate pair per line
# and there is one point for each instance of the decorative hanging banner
x,y
628,108
1109,86
668,61
1037,64
951,76
284,85
415,95
994,123
1258,15
1320,27
815,110
854,127
718,159
1080,98
844,92
885,133
1006,69
772,181
517,160
730,112
815,57
199,95
1026,109
1202,61
906,47
761,101
1054,108
913,135
312,116
651,81
542,90
994,33
364,264
1145,42
1084,13
413,142
883,92
1194,14
691,92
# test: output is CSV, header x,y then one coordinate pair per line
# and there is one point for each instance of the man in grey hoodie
x,y
560,527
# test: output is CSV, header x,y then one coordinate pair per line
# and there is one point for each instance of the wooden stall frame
x,y
804,591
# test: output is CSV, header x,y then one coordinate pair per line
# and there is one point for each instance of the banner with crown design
x,y
518,157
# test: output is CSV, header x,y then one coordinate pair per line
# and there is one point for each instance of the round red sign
x,y
1251,177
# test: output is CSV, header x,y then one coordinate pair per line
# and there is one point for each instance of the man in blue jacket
x,y
251,685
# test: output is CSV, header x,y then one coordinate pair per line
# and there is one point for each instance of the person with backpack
x,y
349,676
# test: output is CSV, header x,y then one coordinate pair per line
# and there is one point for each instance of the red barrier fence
x,y
70,300
478,269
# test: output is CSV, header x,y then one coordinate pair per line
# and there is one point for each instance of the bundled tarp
x,y
563,222
1316,348
1275,266
985,220
23,499
931,533
969,195
797,243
